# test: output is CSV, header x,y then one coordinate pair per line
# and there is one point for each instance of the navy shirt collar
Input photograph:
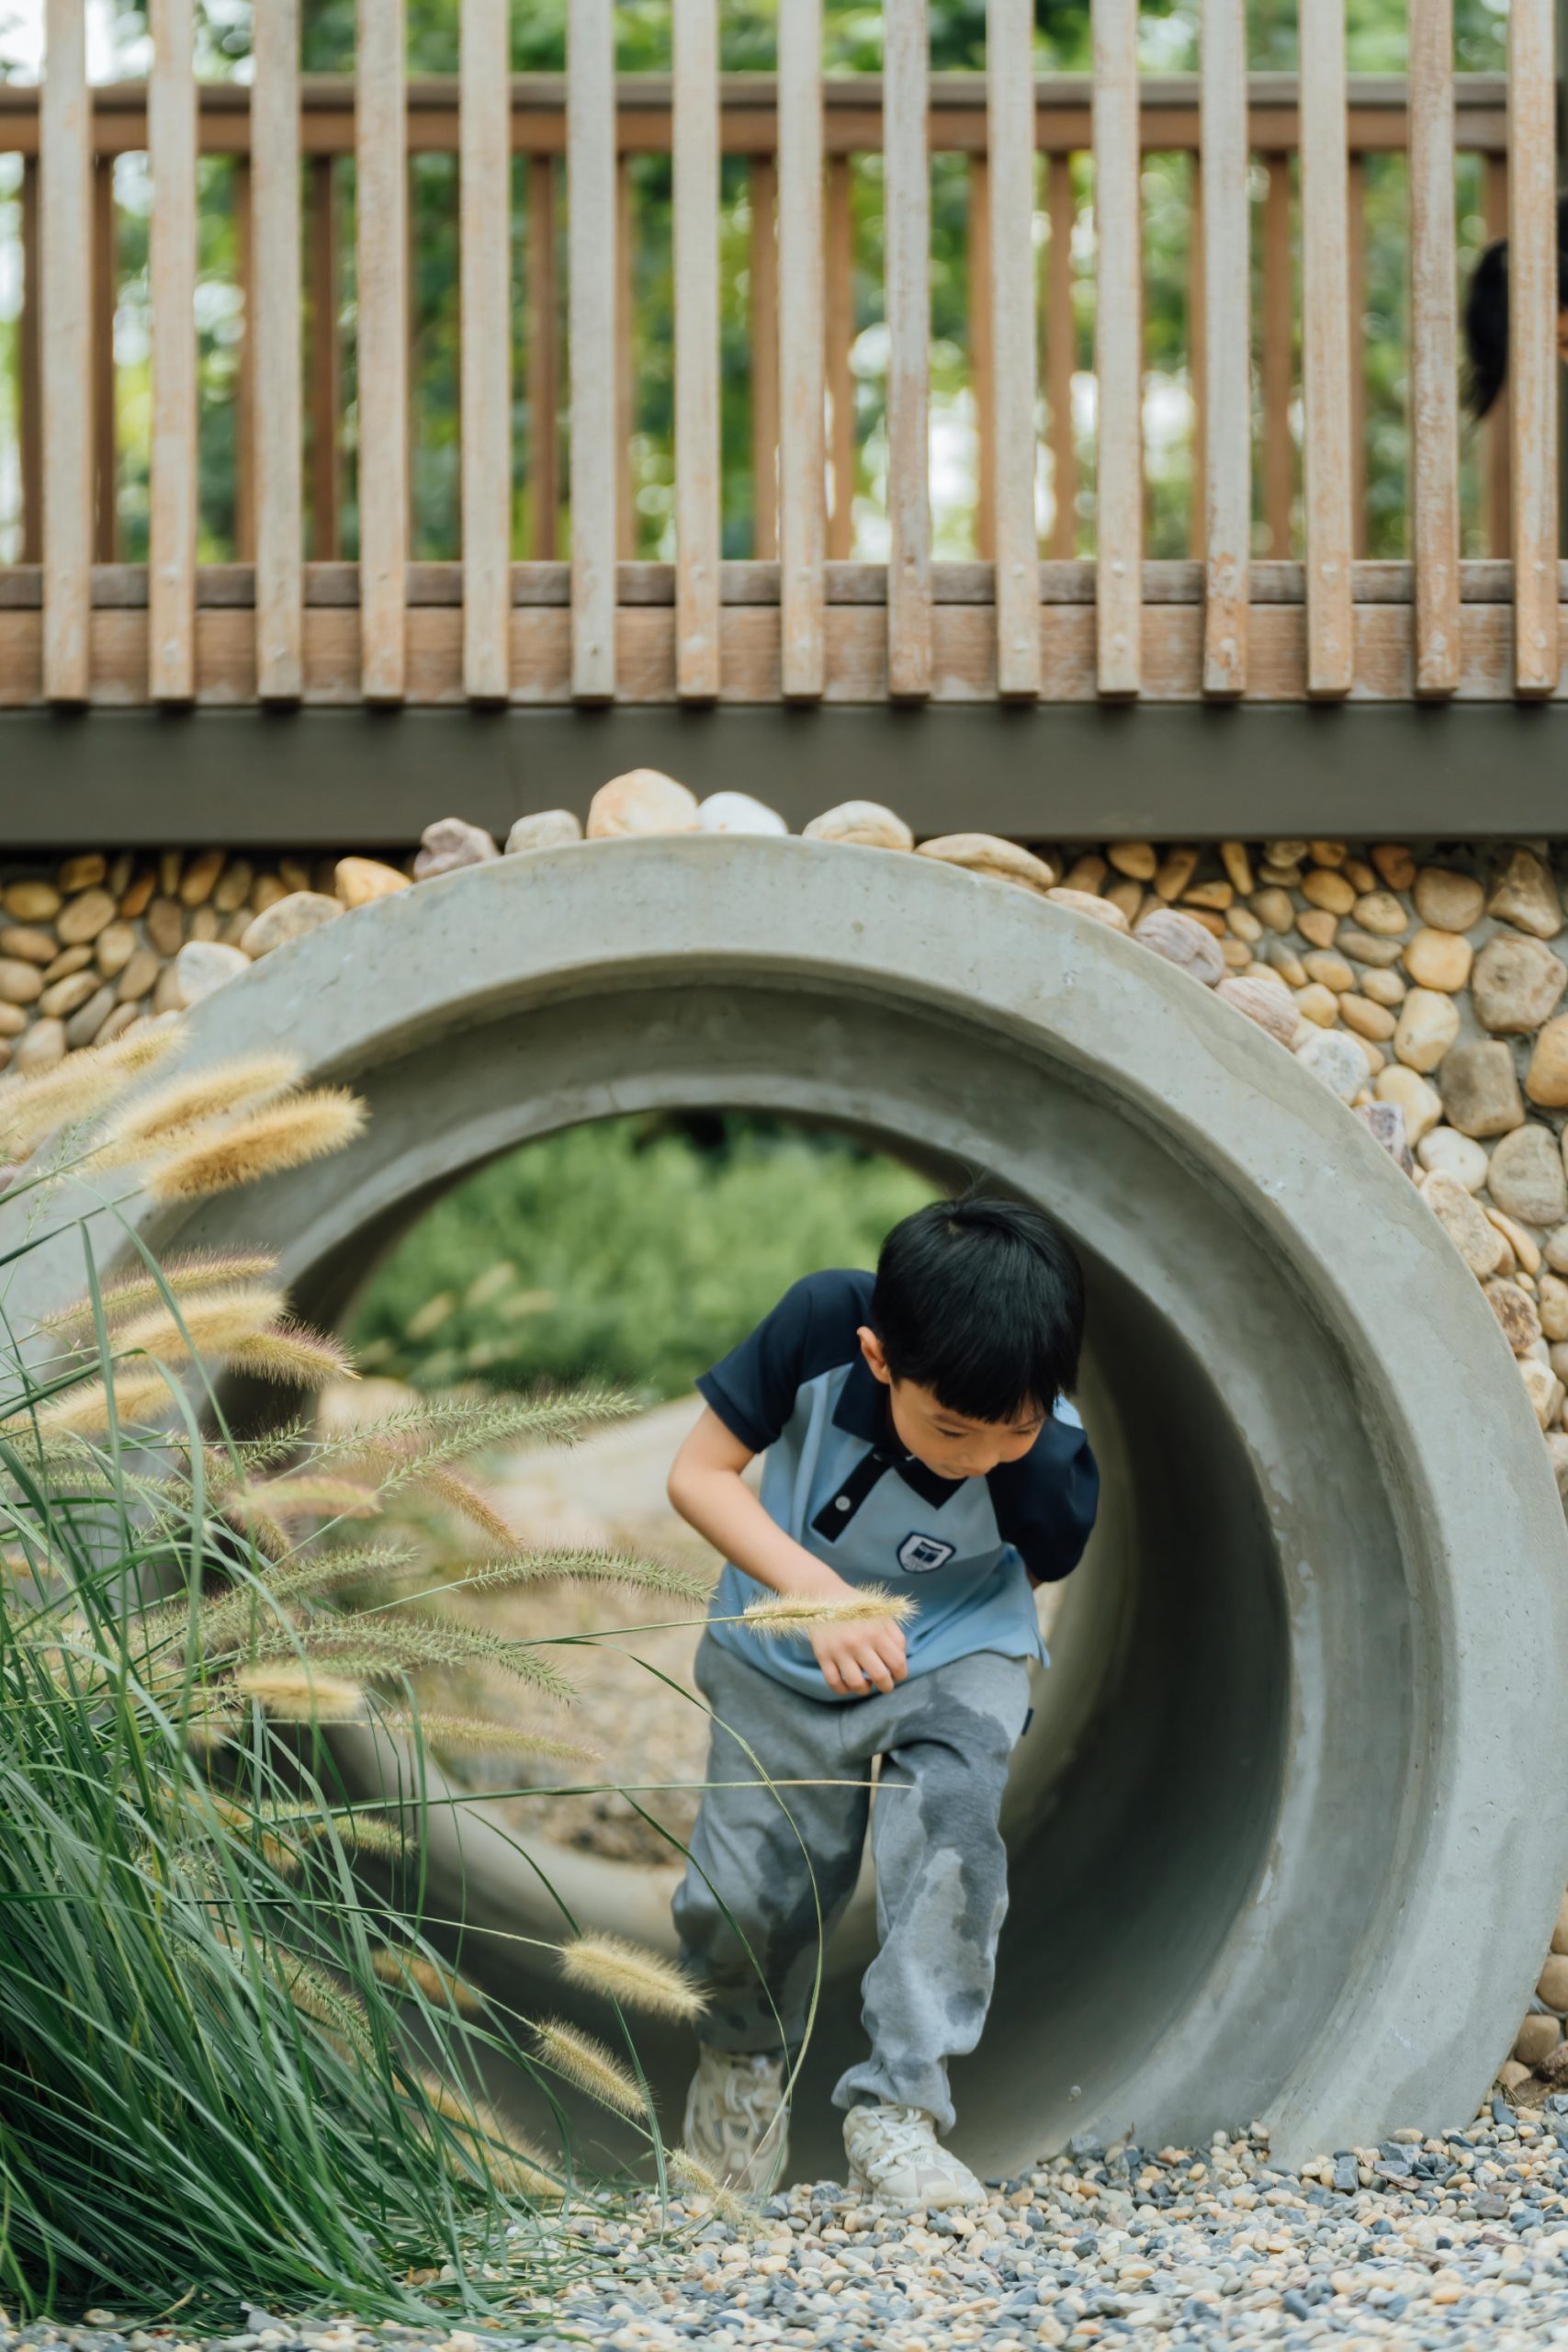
x,y
861,1409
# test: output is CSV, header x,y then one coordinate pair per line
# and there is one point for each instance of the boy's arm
x,y
706,1489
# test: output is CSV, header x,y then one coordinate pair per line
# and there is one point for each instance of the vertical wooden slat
x,y
626,409
1434,381
545,474
1227,345
1498,496
272,333
245,379
1356,208
1119,501
324,362
381,248
1060,354
1279,312
485,258
695,131
61,279
105,261
982,348
1532,331
1326,350
31,420
764,338
841,335
591,293
907,251
1009,265
1197,360
414,309
171,140
801,350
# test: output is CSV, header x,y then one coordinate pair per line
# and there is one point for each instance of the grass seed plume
x,y
305,1127
632,1975
79,1088
172,1114
582,2061
784,1612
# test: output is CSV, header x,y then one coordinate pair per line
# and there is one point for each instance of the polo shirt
x,y
968,1551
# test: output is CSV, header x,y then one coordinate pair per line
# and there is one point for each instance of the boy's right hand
x,y
858,1659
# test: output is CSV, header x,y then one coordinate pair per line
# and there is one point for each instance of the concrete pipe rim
x,y
1431,1997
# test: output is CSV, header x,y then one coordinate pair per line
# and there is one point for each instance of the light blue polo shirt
x,y
969,1551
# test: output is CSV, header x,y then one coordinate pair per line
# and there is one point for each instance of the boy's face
x,y
948,1443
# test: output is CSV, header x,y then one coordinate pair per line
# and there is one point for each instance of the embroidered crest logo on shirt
x,y
919,1554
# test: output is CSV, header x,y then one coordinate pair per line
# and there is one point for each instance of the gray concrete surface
x,y
1292,1825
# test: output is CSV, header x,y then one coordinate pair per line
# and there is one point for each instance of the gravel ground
x,y
1455,2242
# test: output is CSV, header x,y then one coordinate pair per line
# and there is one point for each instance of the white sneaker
x,y
738,2120
897,2160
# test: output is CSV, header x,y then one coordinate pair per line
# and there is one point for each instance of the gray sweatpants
x,y
945,1739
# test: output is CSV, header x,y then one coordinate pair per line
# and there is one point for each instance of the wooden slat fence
x,y
59,241
1532,358
381,257
1326,350
1014,541
789,621
1119,347
591,281
802,353
171,143
276,401
1227,342
1434,370
486,392
906,241
696,133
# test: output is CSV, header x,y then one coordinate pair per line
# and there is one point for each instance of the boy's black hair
x,y
1487,315
982,1302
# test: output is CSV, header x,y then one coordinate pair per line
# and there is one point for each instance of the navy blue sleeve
x,y
753,1388
1046,1500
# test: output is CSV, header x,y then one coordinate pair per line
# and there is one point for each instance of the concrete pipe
x,y
1291,1824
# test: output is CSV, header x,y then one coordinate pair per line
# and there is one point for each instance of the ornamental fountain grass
x,y
235,2066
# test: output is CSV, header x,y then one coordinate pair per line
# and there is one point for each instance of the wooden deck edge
x,y
231,587
359,779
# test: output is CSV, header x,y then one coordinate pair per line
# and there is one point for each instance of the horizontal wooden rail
x,y
961,636
851,112
231,587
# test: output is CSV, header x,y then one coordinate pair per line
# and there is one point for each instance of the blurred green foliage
x,y
637,1251
852,39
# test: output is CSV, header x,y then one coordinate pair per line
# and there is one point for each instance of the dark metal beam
x,y
1068,771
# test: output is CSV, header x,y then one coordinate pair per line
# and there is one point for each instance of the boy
x,y
918,1437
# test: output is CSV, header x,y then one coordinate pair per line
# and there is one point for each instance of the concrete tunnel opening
x,y
1256,1864
1147,1794
1143,1796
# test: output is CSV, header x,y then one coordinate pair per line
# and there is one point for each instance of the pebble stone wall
x,y
1422,983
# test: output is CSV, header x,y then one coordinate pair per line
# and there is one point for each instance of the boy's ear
x,y
871,1348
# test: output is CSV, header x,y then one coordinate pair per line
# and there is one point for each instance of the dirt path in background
x,y
607,1491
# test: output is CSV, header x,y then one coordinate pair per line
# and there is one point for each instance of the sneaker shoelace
x,y
751,2097
904,2134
